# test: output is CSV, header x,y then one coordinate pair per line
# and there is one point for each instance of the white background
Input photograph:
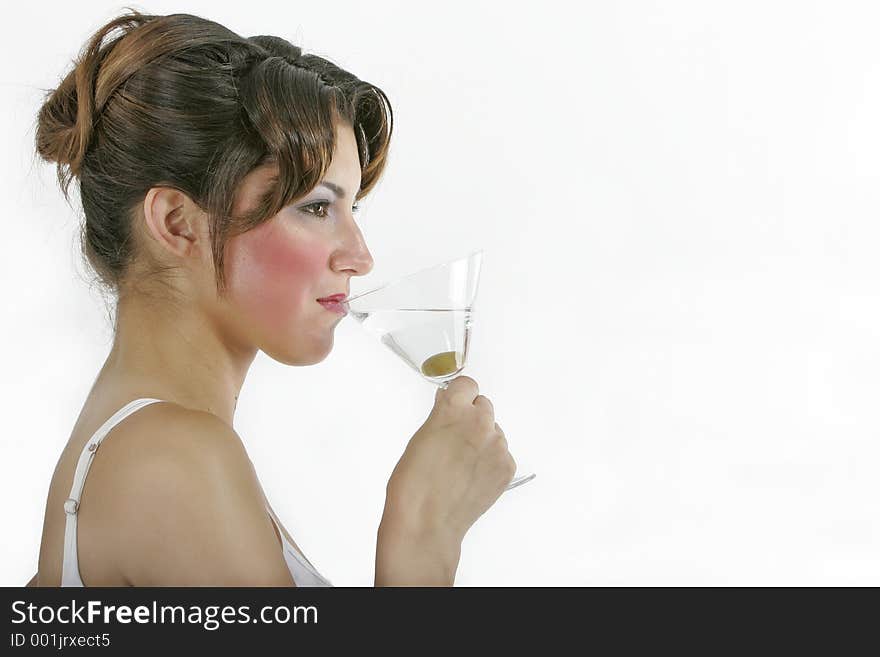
x,y
679,306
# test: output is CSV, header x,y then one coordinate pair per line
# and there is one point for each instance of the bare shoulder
x,y
165,440
188,509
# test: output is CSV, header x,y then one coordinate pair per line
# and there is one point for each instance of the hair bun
x,y
67,117
62,129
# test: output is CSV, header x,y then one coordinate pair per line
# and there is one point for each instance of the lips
x,y
336,298
334,304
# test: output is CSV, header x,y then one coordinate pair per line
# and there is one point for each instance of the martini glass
x,y
426,319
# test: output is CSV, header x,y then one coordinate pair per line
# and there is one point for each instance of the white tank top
x,y
303,573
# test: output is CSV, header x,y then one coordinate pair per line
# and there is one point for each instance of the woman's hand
x,y
453,469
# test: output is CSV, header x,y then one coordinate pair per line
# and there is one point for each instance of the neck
x,y
178,354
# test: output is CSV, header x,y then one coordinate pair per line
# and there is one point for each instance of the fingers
x,y
486,407
500,437
463,386
506,462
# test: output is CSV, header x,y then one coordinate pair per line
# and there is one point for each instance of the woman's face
x,y
309,250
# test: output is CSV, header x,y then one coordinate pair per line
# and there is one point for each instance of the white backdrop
x,y
679,307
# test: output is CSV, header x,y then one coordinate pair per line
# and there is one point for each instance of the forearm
x,y
408,555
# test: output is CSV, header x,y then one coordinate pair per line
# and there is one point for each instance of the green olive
x,y
440,364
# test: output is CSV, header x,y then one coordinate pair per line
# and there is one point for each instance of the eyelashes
x,y
323,204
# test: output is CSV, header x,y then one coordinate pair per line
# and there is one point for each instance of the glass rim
x,y
413,273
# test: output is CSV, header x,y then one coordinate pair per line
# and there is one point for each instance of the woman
x,y
217,175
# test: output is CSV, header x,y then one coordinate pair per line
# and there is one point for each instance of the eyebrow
x,y
333,187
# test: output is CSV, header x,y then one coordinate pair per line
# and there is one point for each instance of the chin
x,y
298,357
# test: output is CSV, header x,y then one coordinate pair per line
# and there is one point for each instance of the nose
x,y
353,256
363,264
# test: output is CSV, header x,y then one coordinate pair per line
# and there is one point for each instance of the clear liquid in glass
x,y
434,342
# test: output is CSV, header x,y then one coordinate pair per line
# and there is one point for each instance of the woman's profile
x,y
218,177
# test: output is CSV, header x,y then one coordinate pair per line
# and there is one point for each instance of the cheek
x,y
274,274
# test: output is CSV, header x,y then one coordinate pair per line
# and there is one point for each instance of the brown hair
x,y
183,102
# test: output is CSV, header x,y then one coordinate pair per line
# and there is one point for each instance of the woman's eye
x,y
318,209
321,206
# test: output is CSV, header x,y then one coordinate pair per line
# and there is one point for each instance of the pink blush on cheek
x,y
274,274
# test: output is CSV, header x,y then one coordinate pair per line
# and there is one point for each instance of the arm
x,y
33,581
408,553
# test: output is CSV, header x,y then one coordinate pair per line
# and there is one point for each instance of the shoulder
x,y
166,440
187,503
166,450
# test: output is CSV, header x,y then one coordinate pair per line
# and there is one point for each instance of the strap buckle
x,y
70,506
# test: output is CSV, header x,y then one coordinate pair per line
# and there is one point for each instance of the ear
x,y
171,218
